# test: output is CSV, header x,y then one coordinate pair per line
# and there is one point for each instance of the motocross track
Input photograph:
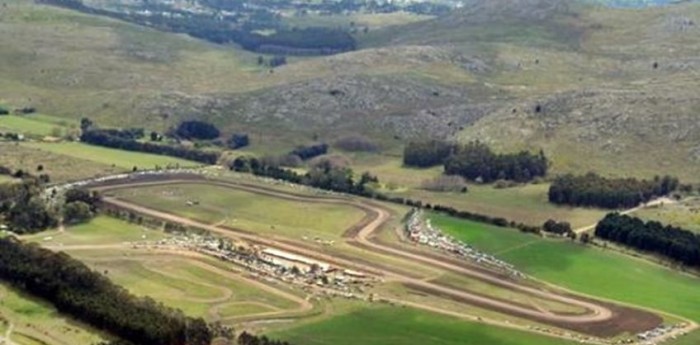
x,y
600,319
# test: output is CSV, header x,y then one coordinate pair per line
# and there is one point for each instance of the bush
x,y
197,130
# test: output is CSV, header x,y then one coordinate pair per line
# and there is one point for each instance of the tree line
x,y
476,161
311,151
88,296
288,41
104,138
594,190
670,241
323,176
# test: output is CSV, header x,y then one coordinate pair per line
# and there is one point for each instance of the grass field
x,y
685,214
688,339
394,326
36,322
112,157
585,269
99,231
247,210
59,167
34,124
196,289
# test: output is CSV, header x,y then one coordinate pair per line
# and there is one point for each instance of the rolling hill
x,y
614,87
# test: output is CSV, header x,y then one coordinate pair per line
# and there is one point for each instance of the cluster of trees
x,y
102,137
196,130
323,176
80,205
88,296
236,141
27,210
475,161
672,242
594,190
24,209
424,154
246,338
308,152
4,111
356,143
559,228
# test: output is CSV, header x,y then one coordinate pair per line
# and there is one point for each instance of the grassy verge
x,y
584,269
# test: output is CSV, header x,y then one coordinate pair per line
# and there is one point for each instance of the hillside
x,y
612,85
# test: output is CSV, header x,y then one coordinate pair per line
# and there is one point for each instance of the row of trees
x,y
424,154
101,137
86,295
559,228
594,190
323,176
311,151
672,242
476,161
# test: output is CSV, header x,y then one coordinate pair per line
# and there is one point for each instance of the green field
x,y
394,326
247,210
196,289
688,339
99,231
59,167
584,269
112,157
36,322
34,124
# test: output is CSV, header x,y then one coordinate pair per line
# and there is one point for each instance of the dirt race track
x,y
600,319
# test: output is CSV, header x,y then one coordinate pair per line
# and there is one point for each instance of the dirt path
x,y
652,203
362,235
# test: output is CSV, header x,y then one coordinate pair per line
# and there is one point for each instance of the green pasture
x,y
585,269
248,211
38,321
99,231
400,326
112,157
